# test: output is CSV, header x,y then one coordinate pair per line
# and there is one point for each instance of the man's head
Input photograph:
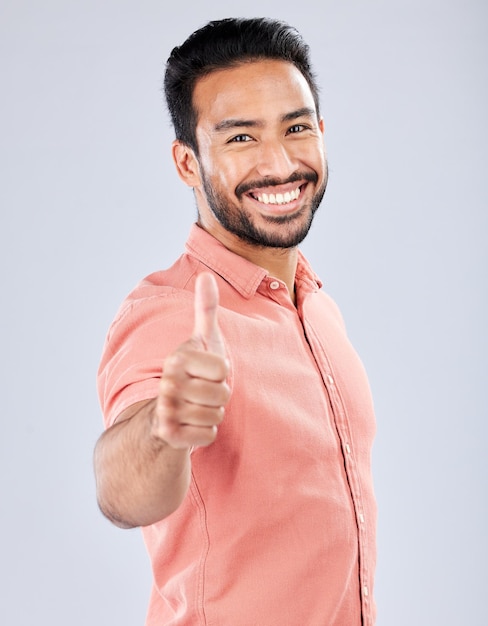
x,y
224,44
249,137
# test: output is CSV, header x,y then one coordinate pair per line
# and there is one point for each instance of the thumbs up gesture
x,y
192,390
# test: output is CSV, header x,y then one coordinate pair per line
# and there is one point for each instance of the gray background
x,y
90,203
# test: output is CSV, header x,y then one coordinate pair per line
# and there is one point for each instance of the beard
x,y
285,231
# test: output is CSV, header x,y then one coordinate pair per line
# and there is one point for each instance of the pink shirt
x,y
278,526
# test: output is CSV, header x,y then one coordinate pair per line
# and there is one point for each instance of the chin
x,y
278,232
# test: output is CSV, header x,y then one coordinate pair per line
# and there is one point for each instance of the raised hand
x,y
193,391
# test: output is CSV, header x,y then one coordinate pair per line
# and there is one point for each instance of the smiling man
x,y
239,421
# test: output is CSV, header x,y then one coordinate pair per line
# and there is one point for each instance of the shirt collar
x,y
243,275
306,275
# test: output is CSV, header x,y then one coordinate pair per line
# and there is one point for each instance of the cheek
x,y
227,173
317,160
317,152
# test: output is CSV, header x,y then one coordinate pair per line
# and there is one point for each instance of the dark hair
x,y
227,43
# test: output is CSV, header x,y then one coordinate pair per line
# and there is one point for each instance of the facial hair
x,y
294,227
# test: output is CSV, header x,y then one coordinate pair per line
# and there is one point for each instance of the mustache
x,y
243,188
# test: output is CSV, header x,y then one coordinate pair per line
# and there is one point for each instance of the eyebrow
x,y
243,123
237,123
303,112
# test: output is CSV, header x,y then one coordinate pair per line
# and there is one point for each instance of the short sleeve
x,y
143,334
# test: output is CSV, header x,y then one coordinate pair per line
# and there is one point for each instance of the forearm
x,y
140,478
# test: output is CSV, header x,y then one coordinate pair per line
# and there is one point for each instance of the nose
x,y
274,160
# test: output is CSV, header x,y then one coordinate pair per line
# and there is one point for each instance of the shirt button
x,y
274,284
348,448
330,379
361,518
366,591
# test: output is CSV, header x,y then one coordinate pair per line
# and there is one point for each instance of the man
x,y
242,444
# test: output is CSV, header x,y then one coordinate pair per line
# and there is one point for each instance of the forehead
x,y
252,90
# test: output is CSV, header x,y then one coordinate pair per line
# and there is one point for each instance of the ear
x,y
186,163
322,125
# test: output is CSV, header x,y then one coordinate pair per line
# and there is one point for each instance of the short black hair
x,y
227,43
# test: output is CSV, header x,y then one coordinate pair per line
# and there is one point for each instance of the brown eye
x,y
240,139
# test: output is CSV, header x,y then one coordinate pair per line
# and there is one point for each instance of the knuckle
x,y
220,367
220,415
224,364
225,392
175,362
208,435
170,386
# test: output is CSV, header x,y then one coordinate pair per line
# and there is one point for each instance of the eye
x,y
240,139
297,128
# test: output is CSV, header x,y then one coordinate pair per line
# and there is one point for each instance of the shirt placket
x,y
341,421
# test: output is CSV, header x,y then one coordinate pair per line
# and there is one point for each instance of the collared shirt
x,y
278,526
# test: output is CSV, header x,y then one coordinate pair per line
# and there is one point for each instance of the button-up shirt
x,y
278,525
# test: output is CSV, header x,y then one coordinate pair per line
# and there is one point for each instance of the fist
x,y
193,389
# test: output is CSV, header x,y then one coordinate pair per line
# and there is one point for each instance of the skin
x,y
258,133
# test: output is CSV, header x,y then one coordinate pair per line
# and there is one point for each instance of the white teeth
x,y
279,198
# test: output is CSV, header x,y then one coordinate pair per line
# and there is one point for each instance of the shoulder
x,y
163,294
154,319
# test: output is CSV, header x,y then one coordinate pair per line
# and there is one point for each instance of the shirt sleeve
x,y
144,333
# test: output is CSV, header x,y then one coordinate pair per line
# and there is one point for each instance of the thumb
x,y
206,330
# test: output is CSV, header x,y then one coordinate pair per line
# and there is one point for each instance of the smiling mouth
x,y
277,198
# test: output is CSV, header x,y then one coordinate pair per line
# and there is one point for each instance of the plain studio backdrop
x,y
90,203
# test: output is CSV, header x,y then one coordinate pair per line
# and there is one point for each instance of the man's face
x,y
261,154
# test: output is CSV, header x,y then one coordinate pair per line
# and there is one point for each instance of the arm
x,y
142,462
